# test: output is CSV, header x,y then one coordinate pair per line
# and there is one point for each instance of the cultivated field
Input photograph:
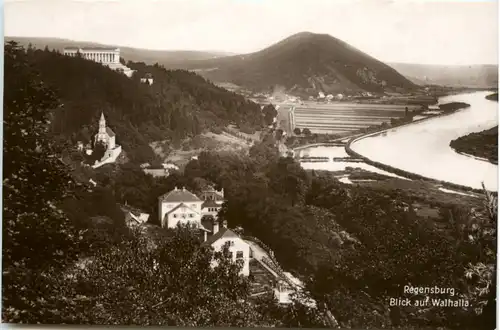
x,y
338,118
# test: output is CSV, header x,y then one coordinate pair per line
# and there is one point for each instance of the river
x,y
424,147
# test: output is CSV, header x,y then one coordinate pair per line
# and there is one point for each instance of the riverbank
x,y
492,97
409,175
482,145
405,173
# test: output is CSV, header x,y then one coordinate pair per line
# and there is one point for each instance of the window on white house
x,y
231,243
193,205
175,215
239,255
191,215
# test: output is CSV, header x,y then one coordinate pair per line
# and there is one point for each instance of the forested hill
x,y
177,105
305,63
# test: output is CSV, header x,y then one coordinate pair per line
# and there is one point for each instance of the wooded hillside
x,y
179,103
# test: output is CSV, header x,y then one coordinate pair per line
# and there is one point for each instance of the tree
x,y
270,113
297,131
279,134
38,238
98,151
307,132
482,275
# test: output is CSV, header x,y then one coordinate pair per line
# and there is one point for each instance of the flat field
x,y
338,118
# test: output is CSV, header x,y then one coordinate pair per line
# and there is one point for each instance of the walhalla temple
x,y
109,57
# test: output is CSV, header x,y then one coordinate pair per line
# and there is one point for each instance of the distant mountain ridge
x,y
172,57
329,65
474,76
304,63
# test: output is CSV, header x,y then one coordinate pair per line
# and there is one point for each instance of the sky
x,y
408,31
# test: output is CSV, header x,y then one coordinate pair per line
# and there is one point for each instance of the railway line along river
x,y
424,147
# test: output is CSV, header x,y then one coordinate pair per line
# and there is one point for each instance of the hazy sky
x,y
423,31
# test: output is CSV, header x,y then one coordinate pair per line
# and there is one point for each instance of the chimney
x,y
216,227
224,223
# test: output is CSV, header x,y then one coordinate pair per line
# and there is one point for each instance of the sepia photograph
x,y
250,163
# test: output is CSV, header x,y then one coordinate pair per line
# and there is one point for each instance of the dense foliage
x,y
170,282
483,144
179,103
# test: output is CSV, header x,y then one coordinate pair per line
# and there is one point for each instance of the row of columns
x,y
99,57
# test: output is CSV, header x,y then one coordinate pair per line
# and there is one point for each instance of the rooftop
x,y
110,132
209,203
223,232
181,205
179,196
114,49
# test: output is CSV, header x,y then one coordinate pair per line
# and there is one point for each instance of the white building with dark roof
x,y
148,78
238,248
179,206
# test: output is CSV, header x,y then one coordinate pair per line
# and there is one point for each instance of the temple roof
x,y
113,49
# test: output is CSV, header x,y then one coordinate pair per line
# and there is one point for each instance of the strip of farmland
x,y
337,118
341,105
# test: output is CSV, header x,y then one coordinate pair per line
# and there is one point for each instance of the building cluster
x,y
180,206
109,57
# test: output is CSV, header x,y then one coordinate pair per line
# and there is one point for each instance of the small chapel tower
x,y
105,134
102,124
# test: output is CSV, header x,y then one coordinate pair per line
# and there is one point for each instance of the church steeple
x,y
102,124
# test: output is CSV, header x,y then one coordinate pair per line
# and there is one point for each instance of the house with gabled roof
x,y
238,248
193,208
179,206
